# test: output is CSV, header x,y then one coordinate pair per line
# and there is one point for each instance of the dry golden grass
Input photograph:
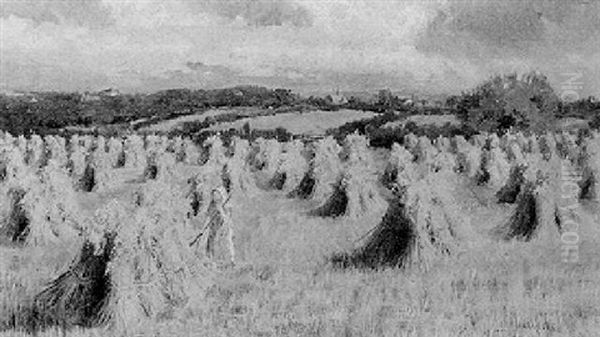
x,y
306,123
284,286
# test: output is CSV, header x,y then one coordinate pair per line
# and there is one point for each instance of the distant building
x,y
337,98
110,92
97,96
90,97
23,95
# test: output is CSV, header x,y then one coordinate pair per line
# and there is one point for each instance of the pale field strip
x,y
309,123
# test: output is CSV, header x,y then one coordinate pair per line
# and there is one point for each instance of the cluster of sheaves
x,y
135,263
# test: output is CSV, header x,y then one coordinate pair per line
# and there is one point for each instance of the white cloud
x,y
405,43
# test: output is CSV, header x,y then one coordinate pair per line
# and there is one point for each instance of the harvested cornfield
x,y
187,241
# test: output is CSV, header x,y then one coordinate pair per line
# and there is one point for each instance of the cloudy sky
x,y
438,46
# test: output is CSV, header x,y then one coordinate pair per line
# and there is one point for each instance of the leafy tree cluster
x,y
281,134
386,137
380,136
363,126
503,102
45,113
586,108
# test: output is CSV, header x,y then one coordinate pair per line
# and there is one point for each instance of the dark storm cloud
x,y
88,13
258,12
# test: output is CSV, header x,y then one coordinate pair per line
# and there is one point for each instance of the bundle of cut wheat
x,y
137,272
547,146
41,209
444,161
213,174
355,150
457,143
14,220
410,142
436,158
523,141
99,174
21,144
400,168
151,169
421,225
355,193
325,169
99,156
496,167
154,147
175,146
506,139
116,156
469,158
509,192
56,150
167,200
293,166
36,152
215,154
99,144
165,164
74,142
443,144
424,152
567,147
164,143
77,296
17,180
135,154
479,140
77,163
536,215
89,179
4,149
514,154
87,141
191,152
590,184
15,168
359,183
533,145
152,144
268,157
52,207
238,169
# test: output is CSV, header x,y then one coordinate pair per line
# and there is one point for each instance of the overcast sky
x,y
442,46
